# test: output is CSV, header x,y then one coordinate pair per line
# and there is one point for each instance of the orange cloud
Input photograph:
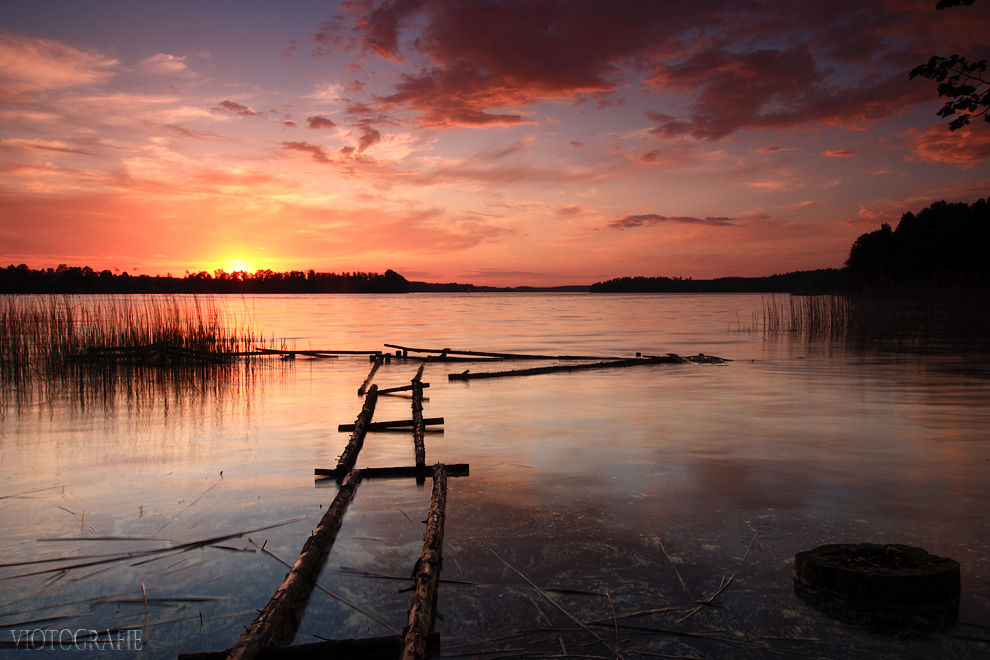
x,y
967,148
872,218
29,65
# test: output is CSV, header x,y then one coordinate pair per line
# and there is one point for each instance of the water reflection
x,y
598,482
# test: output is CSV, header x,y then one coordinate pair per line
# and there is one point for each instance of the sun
x,y
238,264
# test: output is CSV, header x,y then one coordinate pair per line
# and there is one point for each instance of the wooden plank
x,y
403,388
307,352
419,425
379,361
502,356
453,470
349,456
449,358
394,424
564,368
422,611
369,648
302,573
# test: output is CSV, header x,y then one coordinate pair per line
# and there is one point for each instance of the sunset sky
x,y
540,142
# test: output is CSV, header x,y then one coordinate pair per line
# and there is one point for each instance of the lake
x,y
626,489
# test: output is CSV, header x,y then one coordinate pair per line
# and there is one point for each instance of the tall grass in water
x,y
922,318
46,342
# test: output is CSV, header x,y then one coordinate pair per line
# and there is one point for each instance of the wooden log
x,y
502,356
367,381
369,648
419,424
422,611
560,368
349,456
283,352
381,426
453,470
448,358
256,637
403,388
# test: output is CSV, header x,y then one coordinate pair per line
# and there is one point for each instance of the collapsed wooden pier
x,y
417,640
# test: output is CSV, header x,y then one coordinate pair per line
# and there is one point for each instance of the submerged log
x,y
379,361
451,358
422,611
402,388
467,375
419,424
349,456
393,424
443,352
369,648
453,470
303,572
274,351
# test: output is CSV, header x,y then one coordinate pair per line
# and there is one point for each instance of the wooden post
x,y
367,381
349,457
419,426
422,611
251,643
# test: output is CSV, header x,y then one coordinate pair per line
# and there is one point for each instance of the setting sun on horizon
x,y
497,143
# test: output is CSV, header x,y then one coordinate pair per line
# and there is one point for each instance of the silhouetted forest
x,y
943,246
74,279
804,281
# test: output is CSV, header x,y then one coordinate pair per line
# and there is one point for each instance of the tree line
x,y
945,245
85,280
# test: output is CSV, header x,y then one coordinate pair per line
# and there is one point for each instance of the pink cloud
x,y
369,137
238,109
872,218
750,67
839,153
29,65
651,219
317,123
315,150
967,148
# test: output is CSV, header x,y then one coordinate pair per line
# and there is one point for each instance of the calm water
x,y
598,482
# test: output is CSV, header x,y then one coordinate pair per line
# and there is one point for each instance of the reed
x,y
48,341
931,317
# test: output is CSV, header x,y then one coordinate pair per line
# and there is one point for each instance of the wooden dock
x,y
417,640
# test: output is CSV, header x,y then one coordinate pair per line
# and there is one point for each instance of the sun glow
x,y
235,265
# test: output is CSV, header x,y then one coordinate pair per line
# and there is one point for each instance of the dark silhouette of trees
x,y
941,245
84,280
964,83
808,281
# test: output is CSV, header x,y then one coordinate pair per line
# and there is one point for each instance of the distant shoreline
x,y
84,280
